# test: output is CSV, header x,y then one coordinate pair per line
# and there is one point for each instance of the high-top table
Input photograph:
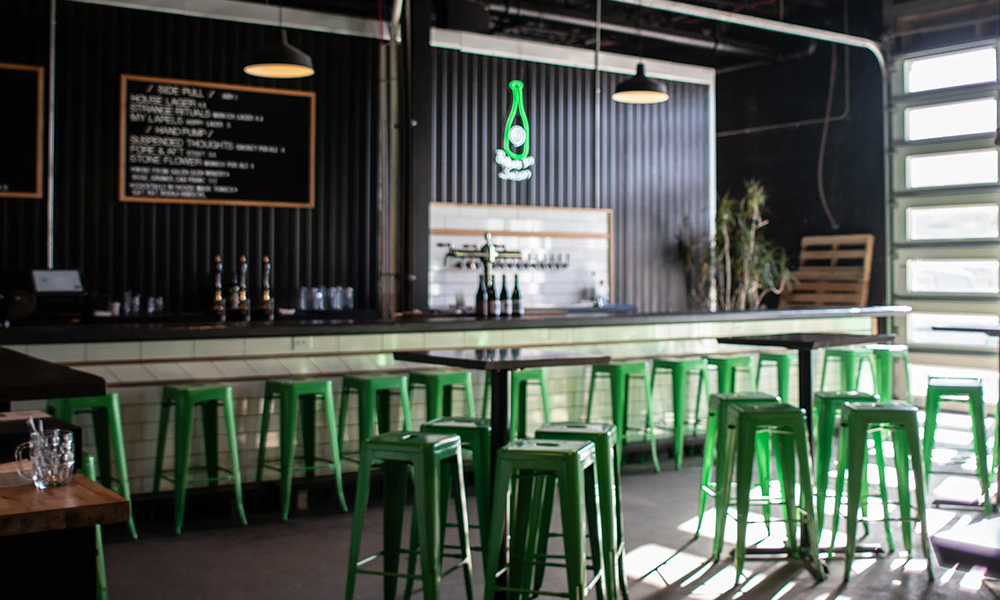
x,y
24,377
805,343
501,362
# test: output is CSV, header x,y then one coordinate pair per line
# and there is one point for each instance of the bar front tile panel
x,y
138,378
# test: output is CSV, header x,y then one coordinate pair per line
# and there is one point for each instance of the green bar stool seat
x,y
374,393
850,361
609,484
783,365
184,399
716,439
108,439
727,367
475,435
297,397
102,576
886,356
680,369
570,466
969,391
828,406
440,387
618,374
858,421
429,457
787,426
519,382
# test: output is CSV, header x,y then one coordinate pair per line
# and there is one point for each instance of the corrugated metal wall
x,y
654,171
159,249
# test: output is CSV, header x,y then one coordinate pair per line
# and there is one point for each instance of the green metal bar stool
x,y
680,369
850,360
609,484
787,426
886,356
828,406
106,413
185,399
475,436
783,366
859,419
727,367
533,464
429,456
519,381
440,387
102,576
299,397
969,391
374,392
716,439
618,375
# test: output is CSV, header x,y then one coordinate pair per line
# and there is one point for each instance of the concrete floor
x,y
306,557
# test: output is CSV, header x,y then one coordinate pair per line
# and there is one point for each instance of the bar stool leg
x,y
979,441
234,453
883,489
930,425
470,400
161,442
265,424
102,441
679,381
182,456
427,485
395,477
856,465
902,458
571,496
590,395
912,441
118,447
288,413
358,521
331,425
650,430
210,425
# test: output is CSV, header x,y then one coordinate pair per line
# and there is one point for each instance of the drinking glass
x,y
51,456
348,298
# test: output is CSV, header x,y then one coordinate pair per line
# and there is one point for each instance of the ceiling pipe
x,y
672,38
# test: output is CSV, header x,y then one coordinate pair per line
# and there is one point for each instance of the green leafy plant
x,y
740,266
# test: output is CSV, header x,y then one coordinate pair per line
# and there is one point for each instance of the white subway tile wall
x,y
139,384
589,258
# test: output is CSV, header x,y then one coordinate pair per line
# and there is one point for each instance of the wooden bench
x,y
834,270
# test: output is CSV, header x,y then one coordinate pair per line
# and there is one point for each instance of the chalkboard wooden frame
x,y
35,194
123,112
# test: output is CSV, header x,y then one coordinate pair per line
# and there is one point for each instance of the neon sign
x,y
514,160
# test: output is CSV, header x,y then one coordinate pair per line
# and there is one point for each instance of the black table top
x,y
496,359
809,341
994,331
23,377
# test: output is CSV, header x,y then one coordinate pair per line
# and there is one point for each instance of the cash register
x,y
49,295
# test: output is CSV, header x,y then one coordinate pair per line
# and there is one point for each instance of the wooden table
x,y
47,536
501,362
805,343
24,377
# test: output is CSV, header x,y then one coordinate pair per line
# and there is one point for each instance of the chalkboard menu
x,y
22,101
196,142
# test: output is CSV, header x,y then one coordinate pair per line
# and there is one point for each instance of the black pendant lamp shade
x,y
640,89
280,60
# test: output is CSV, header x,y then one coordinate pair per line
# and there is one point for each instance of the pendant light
x,y
280,60
640,89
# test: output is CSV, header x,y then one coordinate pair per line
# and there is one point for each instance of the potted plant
x,y
740,267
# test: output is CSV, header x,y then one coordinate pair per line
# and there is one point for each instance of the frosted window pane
x,y
952,223
951,168
920,330
953,276
946,120
951,70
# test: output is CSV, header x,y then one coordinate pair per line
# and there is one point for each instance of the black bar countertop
x,y
112,331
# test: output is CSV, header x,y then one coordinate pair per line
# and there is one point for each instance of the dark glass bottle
x,y
481,310
243,301
266,303
516,302
218,304
493,303
505,304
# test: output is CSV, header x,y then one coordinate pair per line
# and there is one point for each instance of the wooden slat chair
x,y
834,270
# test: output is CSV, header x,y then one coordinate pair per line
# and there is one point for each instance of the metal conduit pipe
x,y
711,14
673,38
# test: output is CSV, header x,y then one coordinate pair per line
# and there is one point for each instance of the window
x,y
952,222
950,70
920,330
947,120
951,169
953,276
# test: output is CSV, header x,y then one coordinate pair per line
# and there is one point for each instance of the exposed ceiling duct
x,y
671,38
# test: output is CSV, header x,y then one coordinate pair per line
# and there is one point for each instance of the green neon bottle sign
x,y
514,159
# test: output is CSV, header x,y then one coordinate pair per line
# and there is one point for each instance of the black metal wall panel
x,y
655,170
161,249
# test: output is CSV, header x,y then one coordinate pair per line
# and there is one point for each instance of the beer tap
x,y
488,254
